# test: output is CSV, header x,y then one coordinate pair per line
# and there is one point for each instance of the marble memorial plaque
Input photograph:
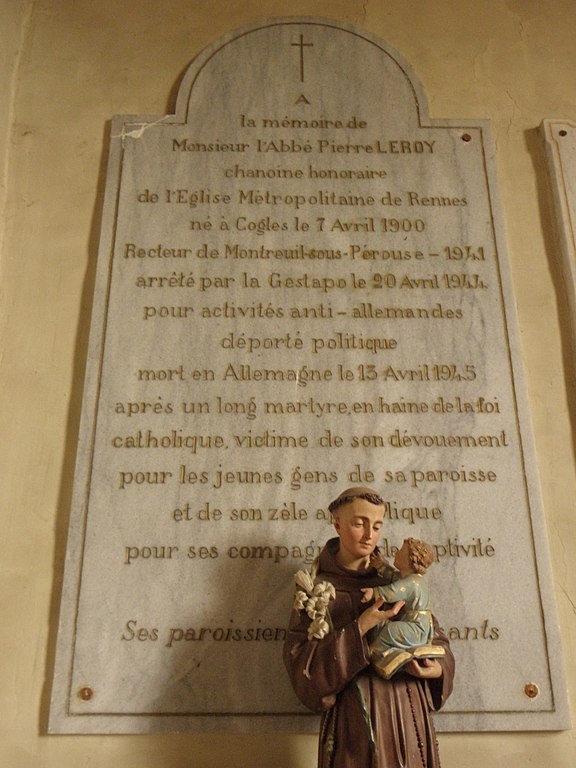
x,y
302,285
560,138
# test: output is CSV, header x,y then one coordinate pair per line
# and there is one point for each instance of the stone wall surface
x,y
68,68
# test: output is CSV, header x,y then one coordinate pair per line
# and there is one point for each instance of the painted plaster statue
x,y
409,636
367,721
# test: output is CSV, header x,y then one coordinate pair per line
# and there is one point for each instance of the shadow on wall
x,y
225,750
72,430
566,314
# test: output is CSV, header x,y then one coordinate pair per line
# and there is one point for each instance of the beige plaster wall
x,y
67,66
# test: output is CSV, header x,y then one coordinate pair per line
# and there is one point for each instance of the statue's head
x,y
356,492
419,555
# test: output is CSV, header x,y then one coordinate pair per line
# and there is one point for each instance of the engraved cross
x,y
302,45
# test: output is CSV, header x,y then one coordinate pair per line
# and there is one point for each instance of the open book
x,y
388,663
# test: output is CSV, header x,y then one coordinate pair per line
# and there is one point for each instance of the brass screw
x,y
466,137
531,690
85,694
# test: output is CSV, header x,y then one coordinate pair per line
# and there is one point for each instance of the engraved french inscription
x,y
302,285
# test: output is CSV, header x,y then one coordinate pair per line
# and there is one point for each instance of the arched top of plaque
x,y
301,69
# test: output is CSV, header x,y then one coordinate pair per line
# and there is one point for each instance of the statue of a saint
x,y
368,721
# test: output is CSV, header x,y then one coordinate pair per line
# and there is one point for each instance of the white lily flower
x,y
304,580
300,599
325,592
314,608
314,600
319,628
328,589
331,591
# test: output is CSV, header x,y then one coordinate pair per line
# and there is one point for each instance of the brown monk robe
x,y
367,721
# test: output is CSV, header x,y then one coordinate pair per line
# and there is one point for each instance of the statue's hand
x,y
373,616
426,669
